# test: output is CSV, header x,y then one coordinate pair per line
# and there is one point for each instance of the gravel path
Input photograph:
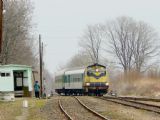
x,y
52,111
76,111
24,114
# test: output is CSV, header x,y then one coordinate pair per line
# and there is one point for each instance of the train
x,y
90,80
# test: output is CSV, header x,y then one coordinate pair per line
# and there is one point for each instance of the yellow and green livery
x,y
96,79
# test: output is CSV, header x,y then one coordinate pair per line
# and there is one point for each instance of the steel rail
x,y
92,111
135,98
137,105
62,109
141,99
136,102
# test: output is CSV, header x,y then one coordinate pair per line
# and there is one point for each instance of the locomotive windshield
x,y
96,71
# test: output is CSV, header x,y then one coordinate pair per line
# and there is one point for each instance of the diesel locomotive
x,y
92,80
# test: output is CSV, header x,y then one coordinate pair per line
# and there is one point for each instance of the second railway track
x,y
75,109
135,104
141,99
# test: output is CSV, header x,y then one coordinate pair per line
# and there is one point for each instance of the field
x,y
136,85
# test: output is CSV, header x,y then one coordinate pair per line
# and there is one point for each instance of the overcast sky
x,y
62,22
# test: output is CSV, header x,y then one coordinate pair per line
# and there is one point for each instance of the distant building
x,y
15,80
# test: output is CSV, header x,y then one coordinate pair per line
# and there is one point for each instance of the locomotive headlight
x,y
97,70
107,84
87,84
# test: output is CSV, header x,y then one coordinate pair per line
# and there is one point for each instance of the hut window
x,y
7,74
3,74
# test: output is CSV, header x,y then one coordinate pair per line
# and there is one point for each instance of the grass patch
x,y
9,110
35,109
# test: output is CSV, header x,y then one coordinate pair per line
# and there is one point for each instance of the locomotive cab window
x,y
88,73
103,72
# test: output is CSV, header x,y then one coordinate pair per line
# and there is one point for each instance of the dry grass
x,y
9,110
135,84
35,112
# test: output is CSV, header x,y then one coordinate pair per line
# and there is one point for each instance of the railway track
x,y
141,99
135,98
80,111
62,109
150,101
131,103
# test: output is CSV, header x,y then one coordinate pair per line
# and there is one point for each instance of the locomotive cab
x,y
96,80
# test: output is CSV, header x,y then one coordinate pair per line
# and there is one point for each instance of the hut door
x,y
18,81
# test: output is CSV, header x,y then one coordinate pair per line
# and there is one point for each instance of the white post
x,y
25,103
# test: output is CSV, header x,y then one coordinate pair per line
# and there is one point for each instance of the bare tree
x,y
119,35
145,45
18,42
131,42
91,42
79,60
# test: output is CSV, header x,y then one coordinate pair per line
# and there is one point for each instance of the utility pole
x,y
43,82
40,63
42,70
1,21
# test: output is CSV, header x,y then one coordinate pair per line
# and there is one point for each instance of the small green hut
x,y
15,80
